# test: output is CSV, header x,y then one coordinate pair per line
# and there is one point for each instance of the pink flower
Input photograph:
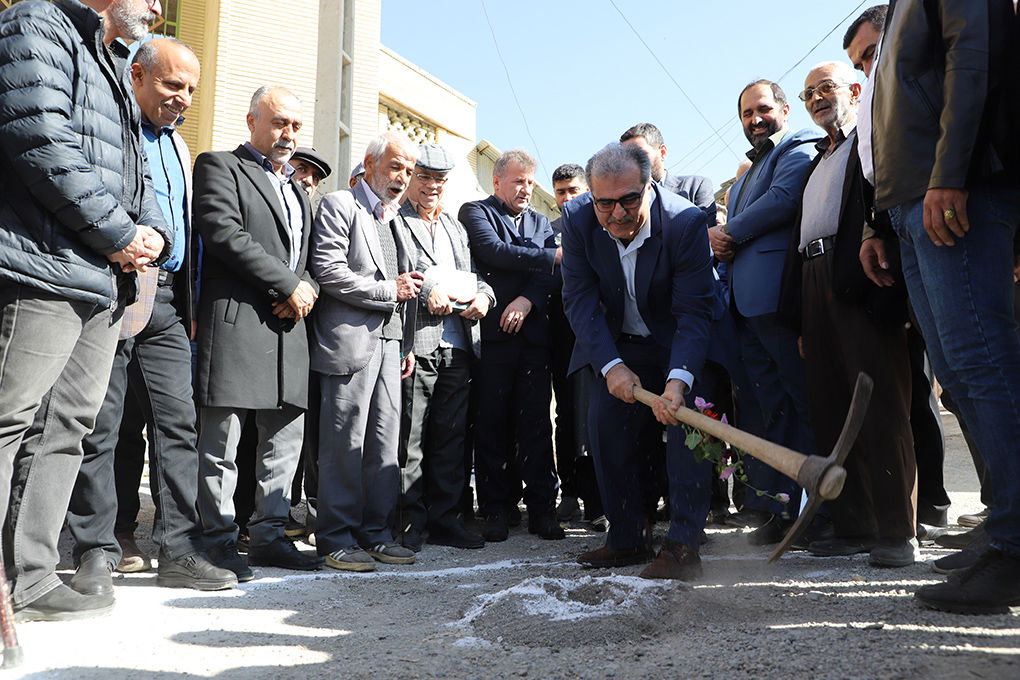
x,y
783,497
723,420
728,472
701,404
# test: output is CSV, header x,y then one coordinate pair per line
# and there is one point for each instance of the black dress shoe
x,y
546,526
496,528
94,575
933,515
193,571
282,553
226,556
513,517
64,604
456,535
989,586
773,531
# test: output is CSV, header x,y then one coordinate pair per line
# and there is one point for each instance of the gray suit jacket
x,y
696,189
428,328
357,293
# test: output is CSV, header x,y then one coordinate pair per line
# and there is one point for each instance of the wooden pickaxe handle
x,y
828,484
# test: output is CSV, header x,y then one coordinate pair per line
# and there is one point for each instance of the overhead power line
x,y
790,70
668,74
510,82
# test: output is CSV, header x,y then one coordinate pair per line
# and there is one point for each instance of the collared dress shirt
x,y
289,201
168,181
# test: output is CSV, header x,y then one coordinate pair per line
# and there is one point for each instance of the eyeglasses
x,y
824,87
424,177
627,201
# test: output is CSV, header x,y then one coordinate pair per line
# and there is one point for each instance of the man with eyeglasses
x,y
515,250
849,325
763,206
639,292
447,341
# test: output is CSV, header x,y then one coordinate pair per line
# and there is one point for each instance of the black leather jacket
x,y
944,111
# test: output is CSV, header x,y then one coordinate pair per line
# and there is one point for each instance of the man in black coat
x,y
252,346
77,217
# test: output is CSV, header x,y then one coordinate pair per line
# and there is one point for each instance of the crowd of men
x,y
387,348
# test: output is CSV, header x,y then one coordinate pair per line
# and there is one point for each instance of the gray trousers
x,y
358,433
55,359
276,458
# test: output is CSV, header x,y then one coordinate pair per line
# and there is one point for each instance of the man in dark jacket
x,y
77,217
254,220
951,183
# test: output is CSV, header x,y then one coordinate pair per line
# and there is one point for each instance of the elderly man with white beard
x,y
361,350
849,325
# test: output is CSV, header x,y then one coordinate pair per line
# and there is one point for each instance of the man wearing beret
x,y
447,339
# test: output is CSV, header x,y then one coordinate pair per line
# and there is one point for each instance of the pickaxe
x,y
822,478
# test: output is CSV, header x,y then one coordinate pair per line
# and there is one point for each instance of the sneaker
x,y
294,528
569,510
132,558
972,520
227,557
989,586
894,552
63,604
193,571
390,553
350,559
600,524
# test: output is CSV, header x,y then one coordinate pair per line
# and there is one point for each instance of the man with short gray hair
x,y
361,351
254,220
515,250
639,292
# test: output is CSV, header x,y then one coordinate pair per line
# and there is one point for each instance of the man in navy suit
x,y
638,290
763,206
515,251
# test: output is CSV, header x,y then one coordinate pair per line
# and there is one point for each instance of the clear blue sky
x,y
582,75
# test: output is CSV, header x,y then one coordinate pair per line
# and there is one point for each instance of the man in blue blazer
x,y
763,206
515,251
639,292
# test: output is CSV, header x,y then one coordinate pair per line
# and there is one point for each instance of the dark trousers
x,y
128,462
773,364
841,340
574,463
623,436
161,376
513,398
926,425
433,427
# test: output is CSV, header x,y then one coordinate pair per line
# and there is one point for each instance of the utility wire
x,y
668,74
788,72
510,82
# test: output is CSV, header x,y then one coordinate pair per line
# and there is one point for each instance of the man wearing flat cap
x,y
309,168
447,339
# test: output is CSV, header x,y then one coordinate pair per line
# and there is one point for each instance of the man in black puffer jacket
x,y
77,217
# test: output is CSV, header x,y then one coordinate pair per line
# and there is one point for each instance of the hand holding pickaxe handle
x,y
822,478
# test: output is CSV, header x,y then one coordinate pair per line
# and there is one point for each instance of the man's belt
x,y
819,246
165,278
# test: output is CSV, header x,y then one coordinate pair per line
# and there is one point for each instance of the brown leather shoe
x,y
606,557
132,558
676,561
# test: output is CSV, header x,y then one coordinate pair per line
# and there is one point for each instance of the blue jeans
x,y
963,298
55,359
